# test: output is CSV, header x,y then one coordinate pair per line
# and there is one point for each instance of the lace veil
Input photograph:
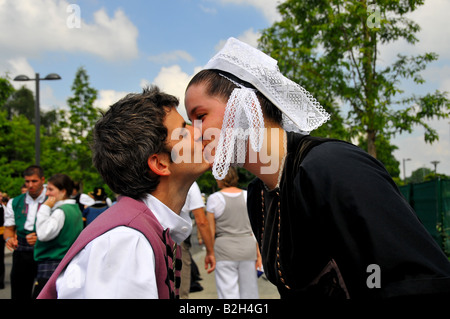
x,y
243,119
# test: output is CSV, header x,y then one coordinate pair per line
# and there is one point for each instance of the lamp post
x,y
404,170
435,165
37,120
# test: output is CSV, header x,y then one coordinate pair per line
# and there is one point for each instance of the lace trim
x,y
243,121
301,111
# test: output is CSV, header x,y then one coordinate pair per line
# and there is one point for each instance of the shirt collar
x,y
180,226
40,199
62,202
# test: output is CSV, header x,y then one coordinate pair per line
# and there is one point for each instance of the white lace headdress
x,y
243,115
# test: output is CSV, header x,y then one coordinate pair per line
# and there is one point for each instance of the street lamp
x,y
435,165
404,173
37,124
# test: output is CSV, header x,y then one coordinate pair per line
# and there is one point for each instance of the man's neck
x,y
34,197
172,197
266,164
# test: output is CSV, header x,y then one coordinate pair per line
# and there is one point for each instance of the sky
x,y
127,45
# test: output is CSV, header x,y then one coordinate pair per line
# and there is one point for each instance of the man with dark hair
x,y
20,232
131,250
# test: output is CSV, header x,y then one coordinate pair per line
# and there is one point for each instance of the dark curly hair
x,y
124,138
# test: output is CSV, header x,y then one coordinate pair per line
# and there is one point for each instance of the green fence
x,y
431,202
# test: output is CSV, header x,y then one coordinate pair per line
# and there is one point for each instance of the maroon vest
x,y
135,214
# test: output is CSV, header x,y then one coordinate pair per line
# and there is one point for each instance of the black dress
x,y
338,227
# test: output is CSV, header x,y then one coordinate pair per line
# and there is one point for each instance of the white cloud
x,y
38,26
173,80
106,98
171,57
268,7
438,76
48,100
250,37
433,20
433,36
20,66
421,154
16,66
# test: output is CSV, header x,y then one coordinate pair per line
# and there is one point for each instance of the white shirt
x,y
216,202
120,263
86,200
33,205
50,221
194,199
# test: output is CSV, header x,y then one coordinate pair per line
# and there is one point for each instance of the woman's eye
x,y
200,116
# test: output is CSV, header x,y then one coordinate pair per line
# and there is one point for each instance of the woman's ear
x,y
62,195
159,164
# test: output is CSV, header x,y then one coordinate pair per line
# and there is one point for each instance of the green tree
x,y
66,136
16,150
6,90
21,102
83,114
81,120
419,175
331,47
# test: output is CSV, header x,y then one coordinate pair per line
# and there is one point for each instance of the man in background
x,y
20,232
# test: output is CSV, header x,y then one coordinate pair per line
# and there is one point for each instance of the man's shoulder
x,y
121,233
19,198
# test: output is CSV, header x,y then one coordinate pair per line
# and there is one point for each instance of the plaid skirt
x,y
46,268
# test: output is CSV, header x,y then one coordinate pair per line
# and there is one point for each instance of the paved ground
x,y
6,293
208,282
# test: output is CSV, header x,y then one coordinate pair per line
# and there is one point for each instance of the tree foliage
x,y
66,135
82,116
331,47
6,90
21,102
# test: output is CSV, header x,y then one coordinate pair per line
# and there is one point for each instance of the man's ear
x,y
159,164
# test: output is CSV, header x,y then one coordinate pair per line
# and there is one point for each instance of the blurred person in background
x,y
237,254
58,224
98,207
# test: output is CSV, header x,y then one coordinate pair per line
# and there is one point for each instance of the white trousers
x,y
236,279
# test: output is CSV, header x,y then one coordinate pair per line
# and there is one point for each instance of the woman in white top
x,y
235,247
